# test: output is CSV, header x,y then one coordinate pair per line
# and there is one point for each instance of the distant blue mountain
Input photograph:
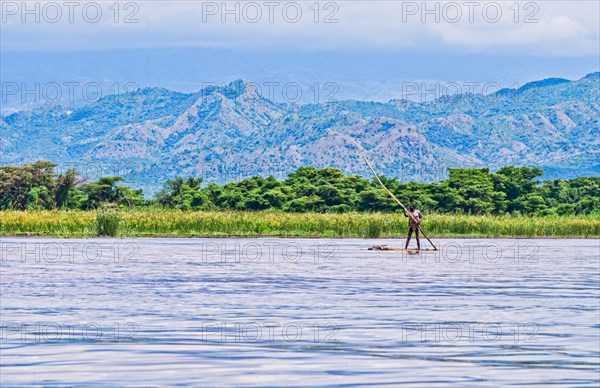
x,y
543,83
233,131
365,75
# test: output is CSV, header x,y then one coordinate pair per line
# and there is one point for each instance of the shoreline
x,y
313,237
266,224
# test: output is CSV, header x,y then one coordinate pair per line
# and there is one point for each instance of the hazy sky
x,y
541,28
366,49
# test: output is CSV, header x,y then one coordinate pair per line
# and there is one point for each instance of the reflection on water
x,y
299,312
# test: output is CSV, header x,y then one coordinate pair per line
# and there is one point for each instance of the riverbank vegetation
x,y
514,191
174,223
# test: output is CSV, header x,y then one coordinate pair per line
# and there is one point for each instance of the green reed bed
x,y
171,223
67,223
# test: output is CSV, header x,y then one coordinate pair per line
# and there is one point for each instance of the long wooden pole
x,y
399,203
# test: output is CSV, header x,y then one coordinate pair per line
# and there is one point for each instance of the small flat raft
x,y
386,248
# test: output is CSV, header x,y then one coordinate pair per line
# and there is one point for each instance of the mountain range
x,y
229,132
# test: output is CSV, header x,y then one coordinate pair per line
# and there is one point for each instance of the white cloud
x,y
558,36
562,28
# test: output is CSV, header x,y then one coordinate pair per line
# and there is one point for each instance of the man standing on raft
x,y
414,220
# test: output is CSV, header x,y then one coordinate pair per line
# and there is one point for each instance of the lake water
x,y
296,312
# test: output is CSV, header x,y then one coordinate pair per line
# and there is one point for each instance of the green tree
x,y
183,194
105,190
517,184
27,186
474,191
65,185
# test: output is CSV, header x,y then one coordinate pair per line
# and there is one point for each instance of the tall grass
x,y
171,223
107,222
